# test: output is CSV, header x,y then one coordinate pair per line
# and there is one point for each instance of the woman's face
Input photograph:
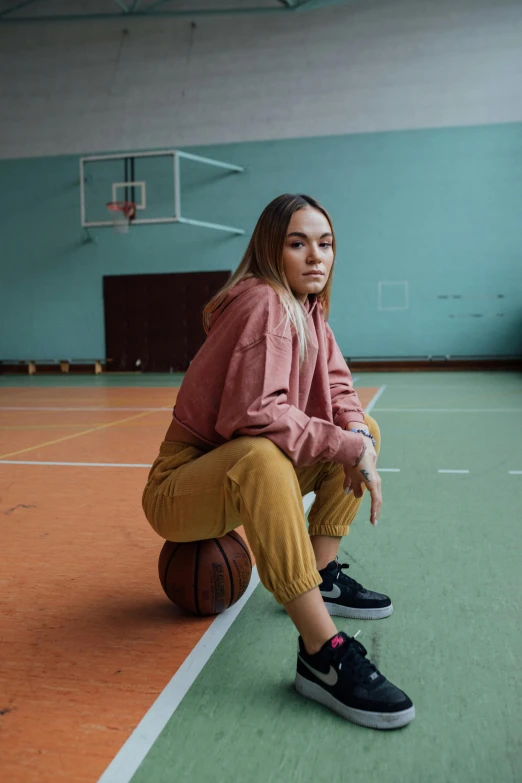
x,y
308,248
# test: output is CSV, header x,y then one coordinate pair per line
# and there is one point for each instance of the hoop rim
x,y
128,208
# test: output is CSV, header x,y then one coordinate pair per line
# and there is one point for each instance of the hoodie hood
x,y
246,285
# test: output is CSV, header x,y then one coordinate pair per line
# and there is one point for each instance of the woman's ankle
x,y
312,647
310,616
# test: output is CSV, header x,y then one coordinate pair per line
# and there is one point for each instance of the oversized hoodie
x,y
245,380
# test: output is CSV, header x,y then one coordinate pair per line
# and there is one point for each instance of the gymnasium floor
x,y
89,641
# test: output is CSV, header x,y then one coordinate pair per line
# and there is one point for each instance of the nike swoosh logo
x,y
335,592
329,679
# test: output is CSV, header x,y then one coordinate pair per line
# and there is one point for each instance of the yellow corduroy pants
x,y
193,495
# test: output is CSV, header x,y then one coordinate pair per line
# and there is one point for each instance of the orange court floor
x,y
88,639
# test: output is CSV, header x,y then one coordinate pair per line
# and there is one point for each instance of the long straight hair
x,y
263,260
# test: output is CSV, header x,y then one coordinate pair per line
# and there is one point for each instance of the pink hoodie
x,y
245,380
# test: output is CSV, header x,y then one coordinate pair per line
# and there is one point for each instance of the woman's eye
x,y
326,244
297,244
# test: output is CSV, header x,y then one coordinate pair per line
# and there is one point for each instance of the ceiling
x,y
20,11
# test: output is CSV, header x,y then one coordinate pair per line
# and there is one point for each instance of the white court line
x,y
128,759
448,410
62,409
374,399
447,386
310,496
130,756
77,464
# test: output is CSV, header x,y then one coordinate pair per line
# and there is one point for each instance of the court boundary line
x,y
378,394
133,752
135,749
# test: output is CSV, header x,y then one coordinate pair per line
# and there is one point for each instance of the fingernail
x,y
376,522
347,491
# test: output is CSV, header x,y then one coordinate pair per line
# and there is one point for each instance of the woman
x,y
267,413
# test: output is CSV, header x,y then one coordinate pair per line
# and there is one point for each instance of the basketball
x,y
205,577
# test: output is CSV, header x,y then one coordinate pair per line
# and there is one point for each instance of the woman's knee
x,y
264,450
259,456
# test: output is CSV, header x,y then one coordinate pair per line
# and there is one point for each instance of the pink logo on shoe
x,y
337,641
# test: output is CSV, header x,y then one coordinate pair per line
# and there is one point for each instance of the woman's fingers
x,y
357,489
365,475
375,510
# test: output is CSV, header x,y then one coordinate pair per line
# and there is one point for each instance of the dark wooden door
x,y
154,322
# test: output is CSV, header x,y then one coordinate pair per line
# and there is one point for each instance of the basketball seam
x,y
247,553
196,569
166,572
225,558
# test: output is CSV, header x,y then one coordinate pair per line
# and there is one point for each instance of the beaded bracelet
x,y
367,434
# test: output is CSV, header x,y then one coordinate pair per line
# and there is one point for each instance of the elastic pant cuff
x,y
297,588
328,530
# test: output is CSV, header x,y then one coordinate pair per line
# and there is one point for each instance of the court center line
x,y
114,464
77,464
74,435
62,408
149,465
448,410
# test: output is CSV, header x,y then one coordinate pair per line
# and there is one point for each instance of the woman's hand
x,y
365,472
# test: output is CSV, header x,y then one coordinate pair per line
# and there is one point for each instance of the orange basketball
x,y
205,577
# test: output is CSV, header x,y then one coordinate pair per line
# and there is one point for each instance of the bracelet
x,y
366,434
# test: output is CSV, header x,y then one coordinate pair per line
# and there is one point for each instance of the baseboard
x,y
434,364
49,368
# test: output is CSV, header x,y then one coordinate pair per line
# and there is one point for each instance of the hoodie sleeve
x,y
254,402
346,405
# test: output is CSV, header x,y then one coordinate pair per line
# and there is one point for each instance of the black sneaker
x,y
343,679
345,597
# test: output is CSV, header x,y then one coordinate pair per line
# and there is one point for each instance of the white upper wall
x,y
368,65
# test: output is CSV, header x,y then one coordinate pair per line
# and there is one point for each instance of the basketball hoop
x,y
122,212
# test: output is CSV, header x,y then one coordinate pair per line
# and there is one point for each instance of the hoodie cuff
x,y
343,418
350,448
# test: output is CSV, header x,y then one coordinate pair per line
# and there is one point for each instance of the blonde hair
x,y
263,259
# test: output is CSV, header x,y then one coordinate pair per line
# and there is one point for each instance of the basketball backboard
x,y
150,179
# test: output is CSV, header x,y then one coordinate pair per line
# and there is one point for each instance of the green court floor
x,y
448,551
447,548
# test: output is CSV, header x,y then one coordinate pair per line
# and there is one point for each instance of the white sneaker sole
x,y
372,720
337,610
